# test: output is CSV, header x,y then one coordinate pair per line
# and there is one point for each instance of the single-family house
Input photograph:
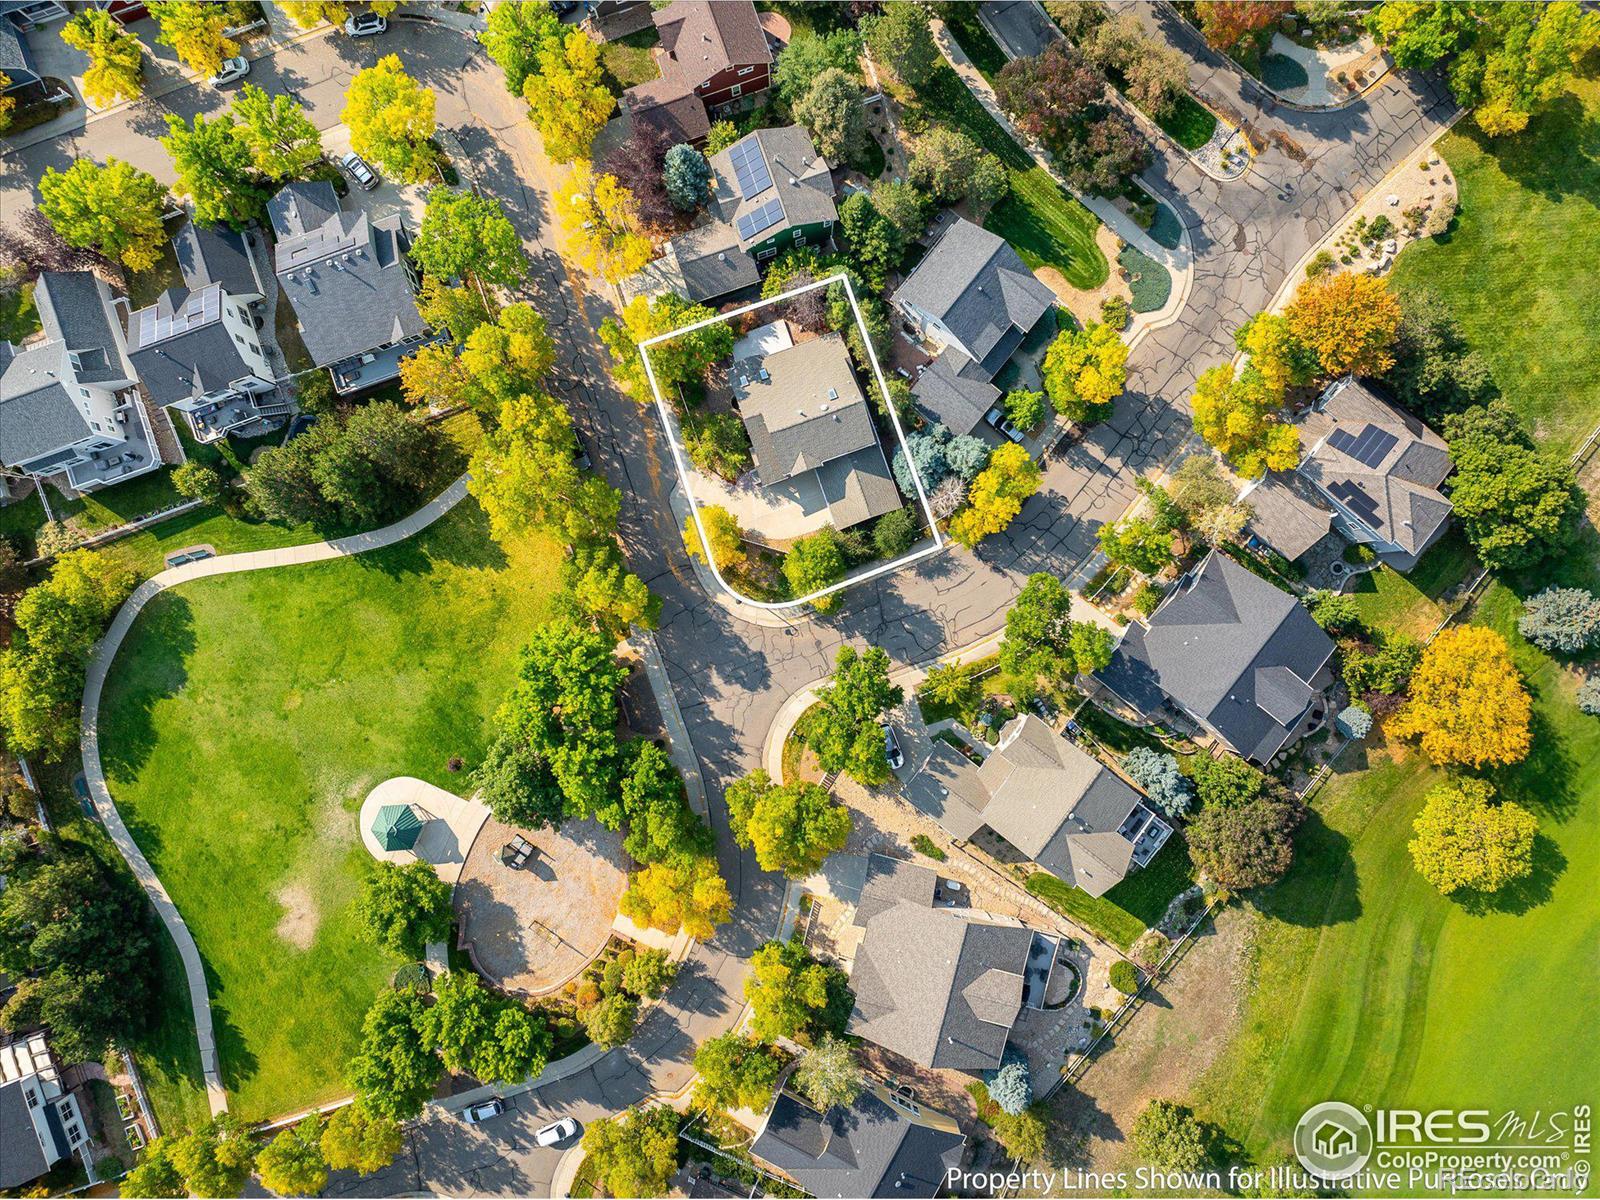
x,y
811,430
884,1144
201,350
713,54
1048,797
974,298
16,57
942,990
1373,474
25,15
769,191
40,1122
1235,654
69,400
351,283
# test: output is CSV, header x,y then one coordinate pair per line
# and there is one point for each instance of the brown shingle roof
x,y
705,37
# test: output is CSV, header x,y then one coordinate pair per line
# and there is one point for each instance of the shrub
x,y
1355,721
1011,1088
1321,263
1159,776
1148,598
1333,612
1125,977
1359,554
1561,620
1167,1136
1148,279
895,533
925,845
1589,695
1114,311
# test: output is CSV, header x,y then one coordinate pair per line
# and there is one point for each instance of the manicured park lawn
x,y
1518,268
1371,988
245,720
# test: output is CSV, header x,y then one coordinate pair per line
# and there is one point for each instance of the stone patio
x,y
530,929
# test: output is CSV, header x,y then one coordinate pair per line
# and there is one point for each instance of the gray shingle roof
x,y
37,415
217,255
346,276
795,425
21,1158
710,262
955,391
858,487
181,348
1206,646
75,310
16,60
938,989
976,285
1284,516
869,1149
892,881
800,181
1394,490
670,105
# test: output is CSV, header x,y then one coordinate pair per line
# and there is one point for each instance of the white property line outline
x,y
939,542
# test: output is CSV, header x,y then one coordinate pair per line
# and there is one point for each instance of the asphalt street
x,y
730,678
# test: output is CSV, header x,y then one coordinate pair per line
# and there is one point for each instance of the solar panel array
x,y
201,308
1357,502
763,218
1369,447
750,168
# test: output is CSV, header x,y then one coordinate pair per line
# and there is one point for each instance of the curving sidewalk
x,y
94,683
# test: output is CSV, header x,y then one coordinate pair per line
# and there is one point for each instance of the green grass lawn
x,y
1130,907
18,316
1188,122
245,720
1414,603
1518,268
1045,225
1369,987
628,62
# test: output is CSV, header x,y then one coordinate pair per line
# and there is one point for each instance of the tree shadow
x,y
1542,782
1322,887
1525,894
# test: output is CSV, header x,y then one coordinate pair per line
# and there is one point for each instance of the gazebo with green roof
x,y
396,827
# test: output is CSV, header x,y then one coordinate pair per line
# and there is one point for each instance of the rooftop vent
x,y
833,393
766,376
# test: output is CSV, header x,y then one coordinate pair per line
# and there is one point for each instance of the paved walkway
x,y
94,774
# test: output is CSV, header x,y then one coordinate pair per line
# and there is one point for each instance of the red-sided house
x,y
713,54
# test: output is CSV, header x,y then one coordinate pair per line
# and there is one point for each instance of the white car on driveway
x,y
486,1111
556,1133
366,24
233,70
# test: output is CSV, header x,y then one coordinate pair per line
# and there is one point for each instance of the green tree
x,y
116,60
601,590
814,562
716,442
358,1140
525,477
809,54
951,167
457,309
1518,505
516,784
114,209
391,120
154,1175
194,30
996,495
903,206
793,996
686,176
636,1153
844,729
404,907
953,686
1464,841
900,40
392,1072
568,99
649,974
831,111
661,826
1142,543
829,1075
214,170
1167,1136
517,32
464,234
1244,843
735,1072
196,481
688,894
1041,639
507,358
1084,371
610,1023
875,244
895,533
215,1159
491,1036
282,141
292,1163
793,827
678,360
1026,410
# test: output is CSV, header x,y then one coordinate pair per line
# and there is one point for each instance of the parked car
x,y
996,417
1043,709
366,24
555,1134
479,1113
891,748
233,69
356,167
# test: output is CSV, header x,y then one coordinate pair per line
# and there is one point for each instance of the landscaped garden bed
x,y
1149,281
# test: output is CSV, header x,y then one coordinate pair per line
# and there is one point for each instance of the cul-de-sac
x,y
799,598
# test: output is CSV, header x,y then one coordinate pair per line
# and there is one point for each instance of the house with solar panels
x,y
201,350
974,300
1372,476
770,191
352,285
69,397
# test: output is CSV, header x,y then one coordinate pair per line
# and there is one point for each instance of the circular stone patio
x,y
530,929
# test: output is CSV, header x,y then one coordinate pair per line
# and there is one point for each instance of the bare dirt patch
x,y
298,926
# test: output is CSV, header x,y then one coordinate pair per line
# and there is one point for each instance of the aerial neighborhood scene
x,y
799,598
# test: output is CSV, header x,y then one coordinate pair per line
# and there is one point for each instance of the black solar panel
x,y
765,217
1357,502
1369,447
750,168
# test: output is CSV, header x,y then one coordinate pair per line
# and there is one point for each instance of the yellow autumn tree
x,y
1239,418
116,60
723,533
996,495
308,14
1467,705
1348,321
568,100
1465,841
597,215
